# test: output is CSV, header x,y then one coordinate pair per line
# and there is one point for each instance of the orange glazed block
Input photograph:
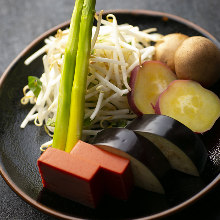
x,y
116,170
71,177
85,174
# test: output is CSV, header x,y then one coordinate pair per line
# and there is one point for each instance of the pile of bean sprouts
x,y
115,51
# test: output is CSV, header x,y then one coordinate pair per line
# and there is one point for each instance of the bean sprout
x,y
115,51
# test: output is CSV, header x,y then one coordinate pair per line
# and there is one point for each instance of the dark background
x,y
21,21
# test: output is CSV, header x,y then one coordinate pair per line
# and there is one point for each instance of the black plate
x,y
19,148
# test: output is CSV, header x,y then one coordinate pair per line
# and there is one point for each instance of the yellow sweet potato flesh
x,y
191,104
153,78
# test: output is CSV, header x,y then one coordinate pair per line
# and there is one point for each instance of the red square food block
x,y
116,170
71,177
85,174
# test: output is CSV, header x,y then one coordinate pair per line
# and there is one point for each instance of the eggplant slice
x,y
181,146
149,165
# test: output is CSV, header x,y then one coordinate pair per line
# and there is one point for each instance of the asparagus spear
x,y
80,78
64,98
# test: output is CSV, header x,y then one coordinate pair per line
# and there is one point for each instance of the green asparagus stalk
x,y
80,78
64,98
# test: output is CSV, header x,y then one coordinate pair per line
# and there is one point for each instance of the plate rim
x,y
55,213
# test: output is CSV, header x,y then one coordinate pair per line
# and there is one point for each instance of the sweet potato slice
x,y
191,104
147,82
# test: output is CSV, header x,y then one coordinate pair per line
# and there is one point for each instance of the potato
x,y
198,59
165,49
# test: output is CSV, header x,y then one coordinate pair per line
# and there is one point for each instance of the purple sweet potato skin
x,y
130,95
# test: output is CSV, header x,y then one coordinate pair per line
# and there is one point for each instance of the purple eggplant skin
x,y
175,132
136,146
